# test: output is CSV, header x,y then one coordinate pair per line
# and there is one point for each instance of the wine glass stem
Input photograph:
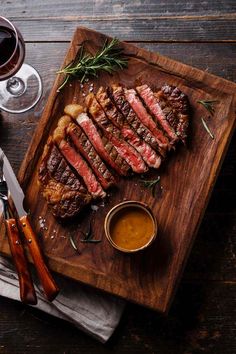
x,y
16,86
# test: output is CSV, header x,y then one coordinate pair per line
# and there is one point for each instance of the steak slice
x,y
153,105
116,117
64,192
101,144
117,95
75,159
127,152
146,119
87,150
176,107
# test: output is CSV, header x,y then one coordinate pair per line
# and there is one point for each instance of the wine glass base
x,y
22,91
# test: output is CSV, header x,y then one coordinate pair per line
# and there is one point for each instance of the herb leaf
x,y
90,241
207,128
109,59
151,184
88,236
209,105
73,244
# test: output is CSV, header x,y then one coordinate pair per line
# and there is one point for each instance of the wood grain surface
x,y
202,318
186,183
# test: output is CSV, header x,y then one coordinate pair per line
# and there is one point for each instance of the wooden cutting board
x,y
187,178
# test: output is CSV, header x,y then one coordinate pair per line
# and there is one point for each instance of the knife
x,y
49,286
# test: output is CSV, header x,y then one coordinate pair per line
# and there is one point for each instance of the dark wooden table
x,y
199,33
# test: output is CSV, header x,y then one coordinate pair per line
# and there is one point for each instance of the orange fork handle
x,y
27,292
49,286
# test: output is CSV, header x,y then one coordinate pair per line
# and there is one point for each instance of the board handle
x,y
49,286
27,292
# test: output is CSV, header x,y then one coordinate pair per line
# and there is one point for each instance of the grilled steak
x,y
76,160
101,144
146,119
175,106
127,152
153,105
87,150
64,192
116,117
120,128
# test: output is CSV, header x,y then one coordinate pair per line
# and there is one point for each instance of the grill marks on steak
x,y
102,145
61,172
87,150
175,106
148,154
79,164
63,190
146,118
76,160
117,95
132,157
154,107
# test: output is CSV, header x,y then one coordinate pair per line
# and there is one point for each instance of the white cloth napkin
x,y
95,313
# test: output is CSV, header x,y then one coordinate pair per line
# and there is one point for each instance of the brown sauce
x,y
131,228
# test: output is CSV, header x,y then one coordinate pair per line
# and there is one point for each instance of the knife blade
x,y
14,187
50,288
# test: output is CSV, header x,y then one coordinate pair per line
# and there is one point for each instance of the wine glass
x,y
20,84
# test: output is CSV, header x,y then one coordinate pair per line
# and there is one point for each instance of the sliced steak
x,y
64,192
76,160
87,150
116,117
146,119
127,152
153,105
175,106
103,146
117,95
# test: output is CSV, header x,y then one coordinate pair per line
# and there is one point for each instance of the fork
x,y
27,292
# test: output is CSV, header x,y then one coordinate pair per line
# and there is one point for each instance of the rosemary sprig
x,y
109,59
209,105
207,128
151,184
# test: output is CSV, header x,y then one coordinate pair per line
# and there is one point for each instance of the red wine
x,y
7,44
12,50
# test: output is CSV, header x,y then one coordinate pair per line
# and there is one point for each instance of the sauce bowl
x,y
130,226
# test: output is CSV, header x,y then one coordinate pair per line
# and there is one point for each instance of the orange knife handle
x,y
49,286
27,292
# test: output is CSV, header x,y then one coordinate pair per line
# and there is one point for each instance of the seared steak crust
x,y
87,150
132,157
143,115
148,154
116,93
175,105
64,192
153,106
102,145
75,159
